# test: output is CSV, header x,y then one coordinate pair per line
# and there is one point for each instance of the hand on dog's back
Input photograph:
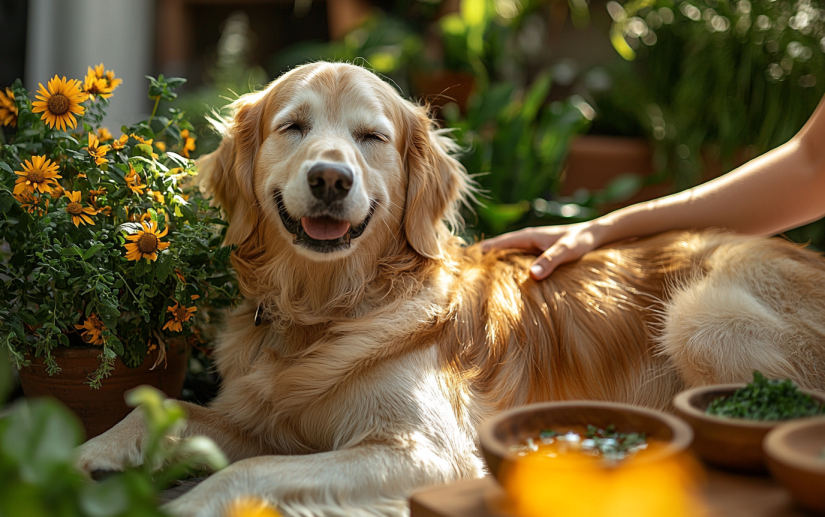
x,y
555,245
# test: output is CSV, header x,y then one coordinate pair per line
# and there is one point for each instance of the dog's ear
x,y
437,185
228,173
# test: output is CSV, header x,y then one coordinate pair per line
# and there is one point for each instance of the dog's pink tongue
x,y
324,228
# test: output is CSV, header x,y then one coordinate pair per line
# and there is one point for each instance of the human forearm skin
x,y
779,190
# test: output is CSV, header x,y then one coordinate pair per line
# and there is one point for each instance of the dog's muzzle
x,y
303,238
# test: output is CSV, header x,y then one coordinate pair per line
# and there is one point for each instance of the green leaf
x,y
89,253
498,216
74,250
6,167
41,437
474,12
6,202
536,95
106,498
145,148
163,268
188,214
622,188
116,345
108,314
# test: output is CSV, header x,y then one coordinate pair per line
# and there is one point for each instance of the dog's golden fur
x,y
374,365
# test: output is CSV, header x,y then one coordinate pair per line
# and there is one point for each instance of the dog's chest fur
x,y
366,378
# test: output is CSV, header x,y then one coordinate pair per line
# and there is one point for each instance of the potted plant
x,y
112,254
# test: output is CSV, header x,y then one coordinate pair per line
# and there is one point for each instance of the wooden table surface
x,y
726,495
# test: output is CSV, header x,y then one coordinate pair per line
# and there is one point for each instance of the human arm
x,y
779,190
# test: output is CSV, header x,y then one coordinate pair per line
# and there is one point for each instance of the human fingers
x,y
529,239
556,255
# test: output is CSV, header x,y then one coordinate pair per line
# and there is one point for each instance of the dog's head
x,y
330,162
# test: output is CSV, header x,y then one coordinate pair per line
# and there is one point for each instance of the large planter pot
x,y
101,409
594,161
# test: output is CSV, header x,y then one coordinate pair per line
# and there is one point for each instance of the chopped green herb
x,y
612,444
546,434
605,443
765,399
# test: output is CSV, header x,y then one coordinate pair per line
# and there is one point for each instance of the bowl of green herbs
x,y
730,421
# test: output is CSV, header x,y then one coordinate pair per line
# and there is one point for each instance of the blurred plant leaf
x,y
41,437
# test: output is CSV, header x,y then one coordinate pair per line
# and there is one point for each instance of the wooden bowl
x,y
516,425
729,443
793,453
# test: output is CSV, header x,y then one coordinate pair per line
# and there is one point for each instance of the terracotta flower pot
x,y
442,86
101,409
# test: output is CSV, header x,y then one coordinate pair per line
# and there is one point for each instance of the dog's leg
x,y
122,445
759,307
366,480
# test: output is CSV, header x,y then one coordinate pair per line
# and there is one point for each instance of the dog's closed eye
x,y
369,136
295,126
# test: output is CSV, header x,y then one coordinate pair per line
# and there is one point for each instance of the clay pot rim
x,y
685,402
778,446
72,351
682,433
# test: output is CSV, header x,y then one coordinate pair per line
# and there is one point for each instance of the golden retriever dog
x,y
372,342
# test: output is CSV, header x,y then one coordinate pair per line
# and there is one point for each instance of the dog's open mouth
x,y
324,233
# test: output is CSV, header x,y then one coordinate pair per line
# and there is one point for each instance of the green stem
x,y
154,110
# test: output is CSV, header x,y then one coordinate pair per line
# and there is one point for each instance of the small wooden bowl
x,y
516,425
793,453
729,443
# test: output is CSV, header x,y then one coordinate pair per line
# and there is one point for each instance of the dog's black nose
x,y
330,182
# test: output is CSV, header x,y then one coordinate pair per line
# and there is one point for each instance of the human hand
x,y
556,245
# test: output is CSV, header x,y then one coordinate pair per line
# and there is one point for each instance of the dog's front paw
x,y
117,448
97,454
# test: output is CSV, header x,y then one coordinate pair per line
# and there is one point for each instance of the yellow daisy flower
x,y
141,139
31,202
60,103
120,143
96,150
39,175
133,182
8,109
95,194
157,196
80,214
100,72
92,329
251,507
188,142
148,142
57,192
180,315
94,86
161,146
145,243
103,134
145,141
